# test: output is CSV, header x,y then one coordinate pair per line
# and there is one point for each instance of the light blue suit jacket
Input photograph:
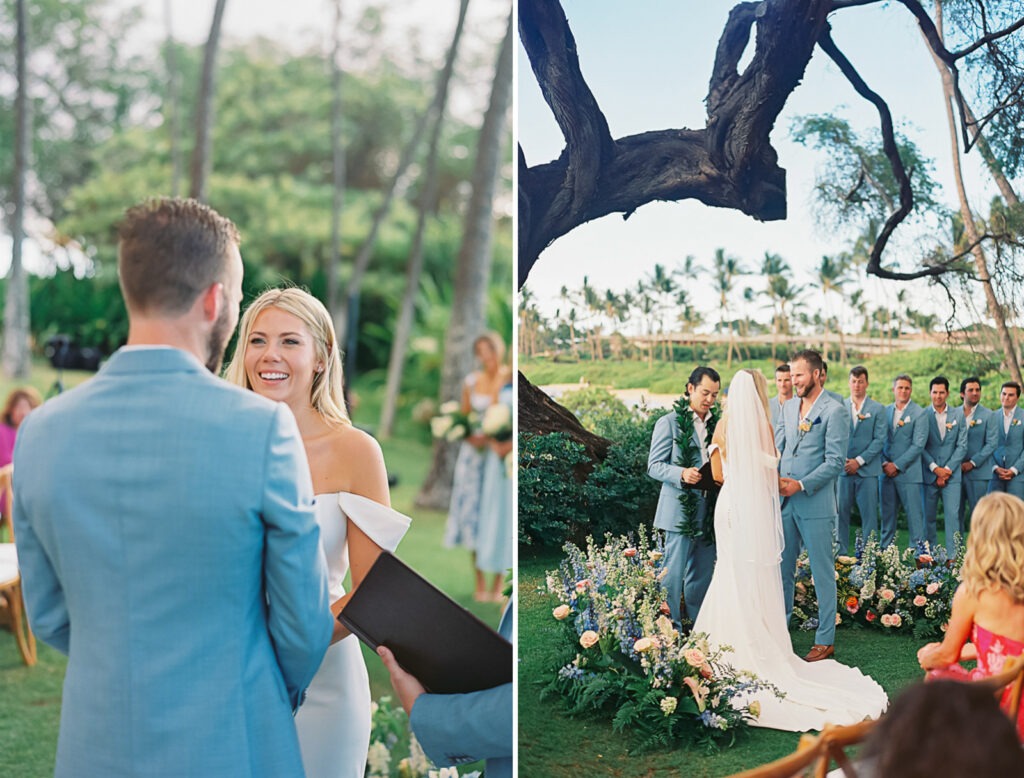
x,y
948,452
982,439
868,438
774,408
661,466
456,729
168,546
814,457
1009,446
904,445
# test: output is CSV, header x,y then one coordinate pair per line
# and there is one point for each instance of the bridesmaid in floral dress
x,y
479,392
988,607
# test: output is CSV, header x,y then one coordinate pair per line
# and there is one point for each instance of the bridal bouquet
x,y
497,422
623,654
451,423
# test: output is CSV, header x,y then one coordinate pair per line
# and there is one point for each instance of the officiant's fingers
x,y
406,686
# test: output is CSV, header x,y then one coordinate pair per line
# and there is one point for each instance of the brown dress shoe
x,y
819,652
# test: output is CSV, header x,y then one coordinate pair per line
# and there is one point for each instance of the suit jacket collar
x,y
153,360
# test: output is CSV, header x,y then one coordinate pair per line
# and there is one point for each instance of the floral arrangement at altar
x,y
887,589
391,740
623,656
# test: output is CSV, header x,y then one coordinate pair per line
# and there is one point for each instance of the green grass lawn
x,y
553,745
30,697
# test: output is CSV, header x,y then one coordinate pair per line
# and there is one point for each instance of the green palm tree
x,y
724,271
831,277
570,319
781,292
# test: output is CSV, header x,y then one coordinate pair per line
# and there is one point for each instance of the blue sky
x,y
648,64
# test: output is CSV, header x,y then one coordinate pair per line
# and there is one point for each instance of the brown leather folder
x,y
434,638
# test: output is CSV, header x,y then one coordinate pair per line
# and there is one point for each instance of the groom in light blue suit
x,y
901,463
166,533
859,480
813,437
689,562
940,465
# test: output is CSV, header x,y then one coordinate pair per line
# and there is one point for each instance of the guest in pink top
x,y
988,607
20,403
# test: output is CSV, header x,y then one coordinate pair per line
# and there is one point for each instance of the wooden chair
x,y
1012,676
817,752
8,502
10,590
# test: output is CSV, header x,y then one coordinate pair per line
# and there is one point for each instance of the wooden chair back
x,y
8,501
790,766
1012,676
816,752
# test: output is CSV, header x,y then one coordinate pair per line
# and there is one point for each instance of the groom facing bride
x,y
811,434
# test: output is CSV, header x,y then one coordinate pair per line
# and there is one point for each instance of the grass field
x,y
666,378
30,697
553,745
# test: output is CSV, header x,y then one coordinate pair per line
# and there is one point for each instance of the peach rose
x,y
705,671
887,594
581,585
588,638
932,587
630,552
643,644
920,600
896,620
560,612
694,657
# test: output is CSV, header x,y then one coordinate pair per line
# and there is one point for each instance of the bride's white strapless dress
x,y
334,721
744,608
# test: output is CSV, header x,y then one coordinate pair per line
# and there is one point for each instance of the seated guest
x,y
988,607
20,402
948,729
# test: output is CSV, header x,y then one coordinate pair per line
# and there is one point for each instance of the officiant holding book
x,y
679,448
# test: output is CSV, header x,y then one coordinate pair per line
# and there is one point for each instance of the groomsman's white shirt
x,y
897,414
854,411
967,420
940,419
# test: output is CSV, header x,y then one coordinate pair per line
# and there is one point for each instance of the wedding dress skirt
x,y
744,609
334,721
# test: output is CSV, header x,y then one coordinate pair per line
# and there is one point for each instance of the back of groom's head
x,y
169,252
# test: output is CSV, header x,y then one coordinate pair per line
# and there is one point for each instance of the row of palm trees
x,y
662,303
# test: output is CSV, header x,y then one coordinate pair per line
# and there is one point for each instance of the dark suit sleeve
x,y
41,588
295,571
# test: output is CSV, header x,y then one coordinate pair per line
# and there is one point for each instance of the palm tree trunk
x,y
338,196
414,267
16,305
202,152
472,268
995,309
173,102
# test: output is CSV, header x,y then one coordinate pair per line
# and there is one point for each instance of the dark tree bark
x,y
202,152
414,267
16,358
472,271
338,153
540,415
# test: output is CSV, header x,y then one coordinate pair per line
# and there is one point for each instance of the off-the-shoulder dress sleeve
x,y
383,525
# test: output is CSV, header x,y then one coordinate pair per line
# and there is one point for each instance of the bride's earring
x,y
319,368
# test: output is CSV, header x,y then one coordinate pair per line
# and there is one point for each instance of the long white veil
x,y
753,477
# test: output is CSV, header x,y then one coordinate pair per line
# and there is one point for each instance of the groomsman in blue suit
x,y
784,386
824,377
1008,458
813,436
901,463
689,562
940,466
982,439
859,480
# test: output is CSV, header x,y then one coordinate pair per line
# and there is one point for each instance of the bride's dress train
x,y
744,606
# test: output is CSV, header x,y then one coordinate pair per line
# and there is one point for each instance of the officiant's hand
x,y
788,487
406,686
691,475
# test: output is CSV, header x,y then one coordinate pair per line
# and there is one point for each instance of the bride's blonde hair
x,y
761,385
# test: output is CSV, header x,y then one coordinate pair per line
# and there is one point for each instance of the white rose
x,y
458,432
439,425
497,418
452,406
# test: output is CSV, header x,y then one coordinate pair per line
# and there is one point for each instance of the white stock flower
x,y
458,432
378,758
418,761
439,425
452,406
497,418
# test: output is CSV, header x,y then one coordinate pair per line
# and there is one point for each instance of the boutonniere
x,y
950,425
901,422
973,423
862,416
1015,423
805,426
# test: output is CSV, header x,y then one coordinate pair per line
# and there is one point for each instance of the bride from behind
x,y
287,352
744,606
